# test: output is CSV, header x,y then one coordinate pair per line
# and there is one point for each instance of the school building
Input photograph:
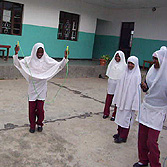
x,y
90,28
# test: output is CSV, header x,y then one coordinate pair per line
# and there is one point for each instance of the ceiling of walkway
x,y
129,4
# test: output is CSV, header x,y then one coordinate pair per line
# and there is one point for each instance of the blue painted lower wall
x,y
105,45
81,49
88,45
142,48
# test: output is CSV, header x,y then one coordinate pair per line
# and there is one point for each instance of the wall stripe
x,y
142,48
105,44
81,49
88,44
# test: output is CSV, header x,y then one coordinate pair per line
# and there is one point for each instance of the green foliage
x,y
106,57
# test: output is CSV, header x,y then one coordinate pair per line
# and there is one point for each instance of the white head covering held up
x,y
38,71
44,68
126,95
116,69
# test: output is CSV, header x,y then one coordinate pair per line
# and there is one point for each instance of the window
x,y
11,18
68,26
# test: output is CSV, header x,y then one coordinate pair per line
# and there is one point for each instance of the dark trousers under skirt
x,y
148,150
36,111
108,105
123,132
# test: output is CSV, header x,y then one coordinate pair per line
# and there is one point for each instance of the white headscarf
x,y
157,81
163,48
116,69
126,95
43,68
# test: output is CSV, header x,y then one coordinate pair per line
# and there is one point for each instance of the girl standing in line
x,y
153,111
127,99
37,69
114,71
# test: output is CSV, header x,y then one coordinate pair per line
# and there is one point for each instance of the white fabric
x,y
154,107
125,118
38,71
152,117
163,48
37,89
112,83
126,95
44,68
116,69
157,93
151,76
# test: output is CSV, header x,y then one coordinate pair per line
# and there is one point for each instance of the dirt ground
x,y
74,135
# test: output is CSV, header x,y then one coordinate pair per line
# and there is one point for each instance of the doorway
x,y
104,42
126,37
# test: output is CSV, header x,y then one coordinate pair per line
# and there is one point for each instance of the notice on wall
x,y
7,15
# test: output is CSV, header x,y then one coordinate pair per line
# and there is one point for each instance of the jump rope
x,y
53,99
65,79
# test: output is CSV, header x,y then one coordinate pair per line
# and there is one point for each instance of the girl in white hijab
x,y
37,69
126,98
153,111
114,71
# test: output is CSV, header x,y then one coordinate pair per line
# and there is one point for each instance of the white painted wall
x,y
46,13
148,24
104,27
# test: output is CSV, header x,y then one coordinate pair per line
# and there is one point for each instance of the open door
x,y
126,37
